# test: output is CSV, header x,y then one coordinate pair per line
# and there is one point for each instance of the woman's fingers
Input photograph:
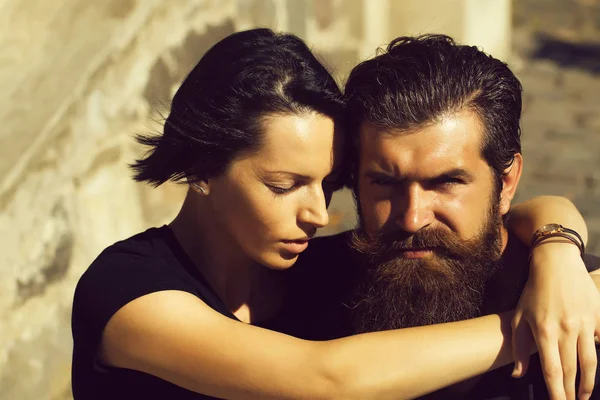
x,y
588,362
551,363
561,350
522,343
568,357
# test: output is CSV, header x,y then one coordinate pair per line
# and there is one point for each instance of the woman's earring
x,y
203,190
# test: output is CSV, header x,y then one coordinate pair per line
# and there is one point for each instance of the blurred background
x,y
79,78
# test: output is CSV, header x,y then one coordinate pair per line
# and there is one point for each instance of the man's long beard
x,y
448,286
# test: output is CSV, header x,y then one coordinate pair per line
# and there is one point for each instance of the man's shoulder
x,y
326,252
318,283
338,243
328,260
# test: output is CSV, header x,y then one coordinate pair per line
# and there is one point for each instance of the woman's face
x,y
270,201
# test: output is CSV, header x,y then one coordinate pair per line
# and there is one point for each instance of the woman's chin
x,y
280,261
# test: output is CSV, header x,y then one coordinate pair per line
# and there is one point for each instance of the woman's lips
x,y
295,246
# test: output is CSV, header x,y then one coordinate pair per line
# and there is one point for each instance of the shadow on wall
x,y
583,55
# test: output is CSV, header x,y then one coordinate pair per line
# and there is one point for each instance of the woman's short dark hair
x,y
418,80
217,112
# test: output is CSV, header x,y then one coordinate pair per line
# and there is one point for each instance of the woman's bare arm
x,y
560,305
526,217
175,336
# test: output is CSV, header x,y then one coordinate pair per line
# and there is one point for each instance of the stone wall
x,y
557,58
78,79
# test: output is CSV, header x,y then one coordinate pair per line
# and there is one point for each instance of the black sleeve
x,y
113,280
592,262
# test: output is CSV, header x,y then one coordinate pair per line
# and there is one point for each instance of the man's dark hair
x,y
217,112
418,80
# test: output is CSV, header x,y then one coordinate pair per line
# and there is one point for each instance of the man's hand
x,y
559,309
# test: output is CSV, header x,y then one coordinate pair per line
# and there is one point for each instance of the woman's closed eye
x,y
282,188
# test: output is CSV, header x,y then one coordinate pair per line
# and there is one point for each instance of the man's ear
x,y
510,181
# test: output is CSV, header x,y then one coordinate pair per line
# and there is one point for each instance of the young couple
x,y
427,135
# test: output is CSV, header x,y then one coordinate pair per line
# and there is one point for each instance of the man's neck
x,y
504,287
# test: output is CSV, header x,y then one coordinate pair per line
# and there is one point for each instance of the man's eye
x,y
453,180
447,182
383,181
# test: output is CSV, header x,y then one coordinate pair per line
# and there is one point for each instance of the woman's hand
x,y
559,309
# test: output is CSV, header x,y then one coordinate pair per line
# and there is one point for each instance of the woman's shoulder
x,y
127,270
141,257
150,243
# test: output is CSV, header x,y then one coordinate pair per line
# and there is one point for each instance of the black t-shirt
x,y
319,288
145,263
329,271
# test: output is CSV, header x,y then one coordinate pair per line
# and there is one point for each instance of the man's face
x,y
432,177
430,222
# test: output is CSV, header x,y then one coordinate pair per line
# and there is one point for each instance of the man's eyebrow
x,y
457,173
375,174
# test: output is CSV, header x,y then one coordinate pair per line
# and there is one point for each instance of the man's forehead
x,y
457,134
453,141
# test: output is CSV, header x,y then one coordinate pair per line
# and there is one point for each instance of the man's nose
x,y
415,210
315,211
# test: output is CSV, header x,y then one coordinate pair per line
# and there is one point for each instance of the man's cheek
x,y
367,215
378,215
471,223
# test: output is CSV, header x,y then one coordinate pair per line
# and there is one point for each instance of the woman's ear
x,y
199,186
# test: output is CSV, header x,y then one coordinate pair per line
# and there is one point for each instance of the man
x,y
434,135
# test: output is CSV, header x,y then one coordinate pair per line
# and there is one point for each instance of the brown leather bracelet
x,y
550,230
575,240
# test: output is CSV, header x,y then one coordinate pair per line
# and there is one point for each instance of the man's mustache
x,y
438,240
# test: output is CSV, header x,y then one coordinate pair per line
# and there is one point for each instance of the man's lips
x,y
416,252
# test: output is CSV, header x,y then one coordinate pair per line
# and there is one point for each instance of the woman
x,y
158,315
